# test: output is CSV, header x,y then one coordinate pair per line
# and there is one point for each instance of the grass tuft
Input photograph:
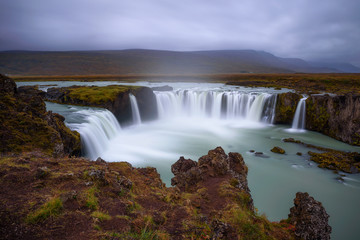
x,y
51,208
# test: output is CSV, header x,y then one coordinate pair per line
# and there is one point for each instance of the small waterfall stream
x,y
300,113
99,128
135,110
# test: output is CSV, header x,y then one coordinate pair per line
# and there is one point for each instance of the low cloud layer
x,y
323,29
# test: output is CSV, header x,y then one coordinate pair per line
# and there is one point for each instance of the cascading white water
x,y
135,110
217,104
99,128
299,117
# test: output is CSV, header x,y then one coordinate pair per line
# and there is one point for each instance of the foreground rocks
x,y
216,164
25,124
74,198
309,218
115,98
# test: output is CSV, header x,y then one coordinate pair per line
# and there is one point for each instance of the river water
x,y
193,121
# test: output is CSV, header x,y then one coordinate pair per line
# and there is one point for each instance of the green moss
x,y
51,208
278,150
91,201
101,216
336,160
234,182
97,95
10,162
133,206
317,116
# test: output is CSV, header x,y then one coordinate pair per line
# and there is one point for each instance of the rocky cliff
x,y
286,104
335,116
115,98
25,125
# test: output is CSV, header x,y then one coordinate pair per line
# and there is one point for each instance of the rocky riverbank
x,y
115,98
74,198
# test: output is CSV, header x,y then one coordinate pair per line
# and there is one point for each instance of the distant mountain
x,y
139,61
343,67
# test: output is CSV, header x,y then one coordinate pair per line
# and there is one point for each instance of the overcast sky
x,y
309,29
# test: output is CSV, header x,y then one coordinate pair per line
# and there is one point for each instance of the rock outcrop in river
x,y
25,125
115,98
309,218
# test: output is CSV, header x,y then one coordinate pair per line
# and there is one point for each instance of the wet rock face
x,y
309,218
146,101
215,164
163,88
335,116
285,107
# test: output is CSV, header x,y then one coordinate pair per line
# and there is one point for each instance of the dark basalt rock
x,y
309,218
335,116
222,230
215,164
186,173
285,107
162,88
7,85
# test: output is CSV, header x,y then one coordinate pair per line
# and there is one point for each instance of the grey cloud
x,y
298,28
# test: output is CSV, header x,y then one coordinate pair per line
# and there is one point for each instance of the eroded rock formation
x,y
310,218
216,164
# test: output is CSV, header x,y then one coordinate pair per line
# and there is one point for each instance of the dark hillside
x,y
137,61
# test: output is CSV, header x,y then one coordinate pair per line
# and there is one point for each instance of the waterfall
x,y
217,104
99,128
299,117
135,110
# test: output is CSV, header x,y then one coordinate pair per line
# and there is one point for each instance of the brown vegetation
x,y
339,83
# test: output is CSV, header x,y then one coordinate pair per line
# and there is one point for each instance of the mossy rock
x,y
115,98
278,150
285,107
26,126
